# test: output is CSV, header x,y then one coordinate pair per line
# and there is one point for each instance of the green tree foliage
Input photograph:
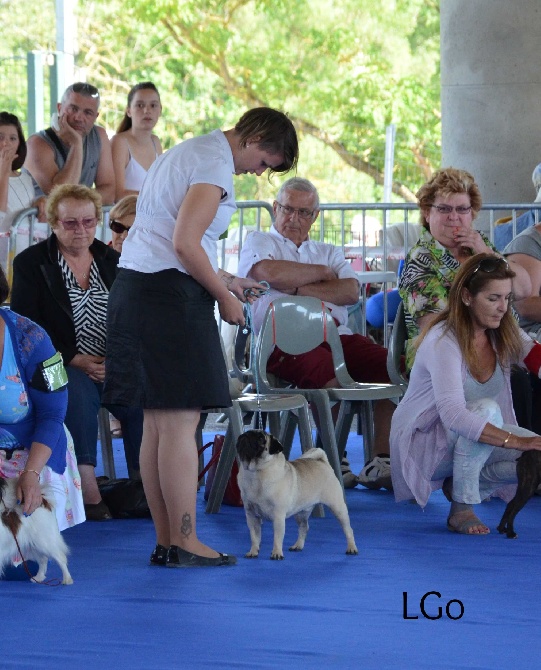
x,y
342,69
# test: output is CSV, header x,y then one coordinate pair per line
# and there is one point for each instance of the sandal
x,y
469,521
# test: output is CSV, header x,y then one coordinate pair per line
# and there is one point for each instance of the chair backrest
x,y
395,351
242,368
297,325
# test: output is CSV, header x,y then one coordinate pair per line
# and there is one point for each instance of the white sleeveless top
x,y
135,173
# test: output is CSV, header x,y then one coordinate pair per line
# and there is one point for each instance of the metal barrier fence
x,y
376,234
374,237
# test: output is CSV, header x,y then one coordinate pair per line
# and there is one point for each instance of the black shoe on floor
x,y
159,555
179,558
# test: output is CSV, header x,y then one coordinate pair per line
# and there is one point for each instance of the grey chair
x,y
276,406
297,325
397,343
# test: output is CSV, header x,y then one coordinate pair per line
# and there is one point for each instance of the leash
x,y
248,328
50,582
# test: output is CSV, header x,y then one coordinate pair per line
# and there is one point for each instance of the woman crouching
x,y
456,419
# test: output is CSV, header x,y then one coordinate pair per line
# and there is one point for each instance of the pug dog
x,y
273,488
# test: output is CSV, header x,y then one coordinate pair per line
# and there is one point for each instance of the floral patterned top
x,y
424,284
13,398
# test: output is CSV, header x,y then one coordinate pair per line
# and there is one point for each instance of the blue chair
x,y
374,307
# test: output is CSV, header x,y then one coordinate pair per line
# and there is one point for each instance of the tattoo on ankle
x,y
186,526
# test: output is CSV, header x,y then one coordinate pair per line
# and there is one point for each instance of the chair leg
x,y
367,415
343,425
287,432
305,434
327,434
106,442
225,462
199,444
273,419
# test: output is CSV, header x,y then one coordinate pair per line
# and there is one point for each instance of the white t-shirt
x,y
273,246
202,160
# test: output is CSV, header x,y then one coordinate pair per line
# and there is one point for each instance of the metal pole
x,y
34,74
390,134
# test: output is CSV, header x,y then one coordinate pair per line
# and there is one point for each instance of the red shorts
x,y
365,361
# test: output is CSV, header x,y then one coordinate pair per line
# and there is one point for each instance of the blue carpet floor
x,y
316,609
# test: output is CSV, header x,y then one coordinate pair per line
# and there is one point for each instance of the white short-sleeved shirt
x,y
274,246
202,160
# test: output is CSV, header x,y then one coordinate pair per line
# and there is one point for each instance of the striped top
x,y
89,309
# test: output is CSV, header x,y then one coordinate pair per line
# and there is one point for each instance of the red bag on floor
x,y
232,492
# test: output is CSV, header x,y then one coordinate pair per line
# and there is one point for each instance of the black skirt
x,y
163,345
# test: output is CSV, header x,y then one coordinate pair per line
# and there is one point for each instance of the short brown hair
x,y
448,181
275,132
75,191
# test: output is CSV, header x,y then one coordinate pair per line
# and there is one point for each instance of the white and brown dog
x,y
38,537
275,489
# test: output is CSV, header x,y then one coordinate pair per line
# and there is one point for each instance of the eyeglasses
x,y
490,265
73,224
118,227
302,213
447,209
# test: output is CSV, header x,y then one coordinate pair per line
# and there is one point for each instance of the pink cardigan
x,y
433,402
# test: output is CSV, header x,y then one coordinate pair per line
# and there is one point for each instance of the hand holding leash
x,y
29,491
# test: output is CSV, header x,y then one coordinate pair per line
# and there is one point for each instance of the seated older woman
x,y
449,204
34,445
121,218
63,285
456,419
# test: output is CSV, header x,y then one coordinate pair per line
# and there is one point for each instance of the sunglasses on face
x,y
73,224
118,227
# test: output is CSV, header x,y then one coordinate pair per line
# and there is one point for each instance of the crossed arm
x,y
318,281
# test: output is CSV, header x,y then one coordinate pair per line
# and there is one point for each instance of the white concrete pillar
x,y
491,93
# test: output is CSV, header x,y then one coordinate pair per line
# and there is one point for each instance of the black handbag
x,y
125,498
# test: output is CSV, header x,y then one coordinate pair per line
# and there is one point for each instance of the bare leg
x,y
89,485
175,485
148,458
383,413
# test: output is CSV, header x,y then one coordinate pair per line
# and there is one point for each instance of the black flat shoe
x,y
179,558
97,512
159,555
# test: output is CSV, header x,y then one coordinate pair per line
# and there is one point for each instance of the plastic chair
x,y
397,343
252,404
300,324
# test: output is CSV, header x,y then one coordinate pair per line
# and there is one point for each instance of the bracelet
x,y
506,439
34,471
